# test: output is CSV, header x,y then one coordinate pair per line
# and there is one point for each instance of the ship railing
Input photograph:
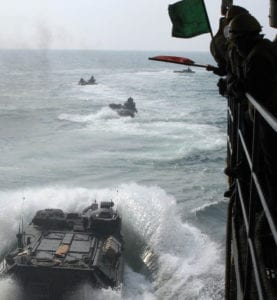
x,y
251,217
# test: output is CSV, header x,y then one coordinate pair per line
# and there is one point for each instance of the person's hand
x,y
222,86
220,71
211,68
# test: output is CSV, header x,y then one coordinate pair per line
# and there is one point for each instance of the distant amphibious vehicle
x,y
128,109
58,251
91,81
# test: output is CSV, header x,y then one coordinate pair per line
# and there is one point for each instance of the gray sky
x,y
106,24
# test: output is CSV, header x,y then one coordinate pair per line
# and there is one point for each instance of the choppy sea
x,y
62,147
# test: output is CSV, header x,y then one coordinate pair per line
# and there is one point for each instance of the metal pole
x,y
225,4
273,13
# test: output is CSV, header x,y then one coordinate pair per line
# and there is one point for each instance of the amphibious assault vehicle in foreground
x,y
58,251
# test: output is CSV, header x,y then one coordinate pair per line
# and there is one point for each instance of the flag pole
x,y
207,17
209,24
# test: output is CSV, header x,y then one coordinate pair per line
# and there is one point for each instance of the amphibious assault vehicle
x,y
59,250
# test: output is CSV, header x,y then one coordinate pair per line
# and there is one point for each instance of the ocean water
x,y
62,147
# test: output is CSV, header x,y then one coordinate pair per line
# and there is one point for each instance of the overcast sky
x,y
106,24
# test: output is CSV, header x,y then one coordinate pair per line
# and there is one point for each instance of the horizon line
x,y
85,49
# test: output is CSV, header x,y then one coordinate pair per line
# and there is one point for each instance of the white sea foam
x,y
206,205
186,259
171,139
103,114
9,290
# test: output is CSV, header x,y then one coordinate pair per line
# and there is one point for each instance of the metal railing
x,y
251,216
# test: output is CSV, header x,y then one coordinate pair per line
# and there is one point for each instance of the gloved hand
x,y
220,71
211,68
222,86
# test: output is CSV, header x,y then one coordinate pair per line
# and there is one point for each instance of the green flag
x,y
188,18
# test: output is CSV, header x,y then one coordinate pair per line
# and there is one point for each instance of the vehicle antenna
x,y
19,238
22,217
